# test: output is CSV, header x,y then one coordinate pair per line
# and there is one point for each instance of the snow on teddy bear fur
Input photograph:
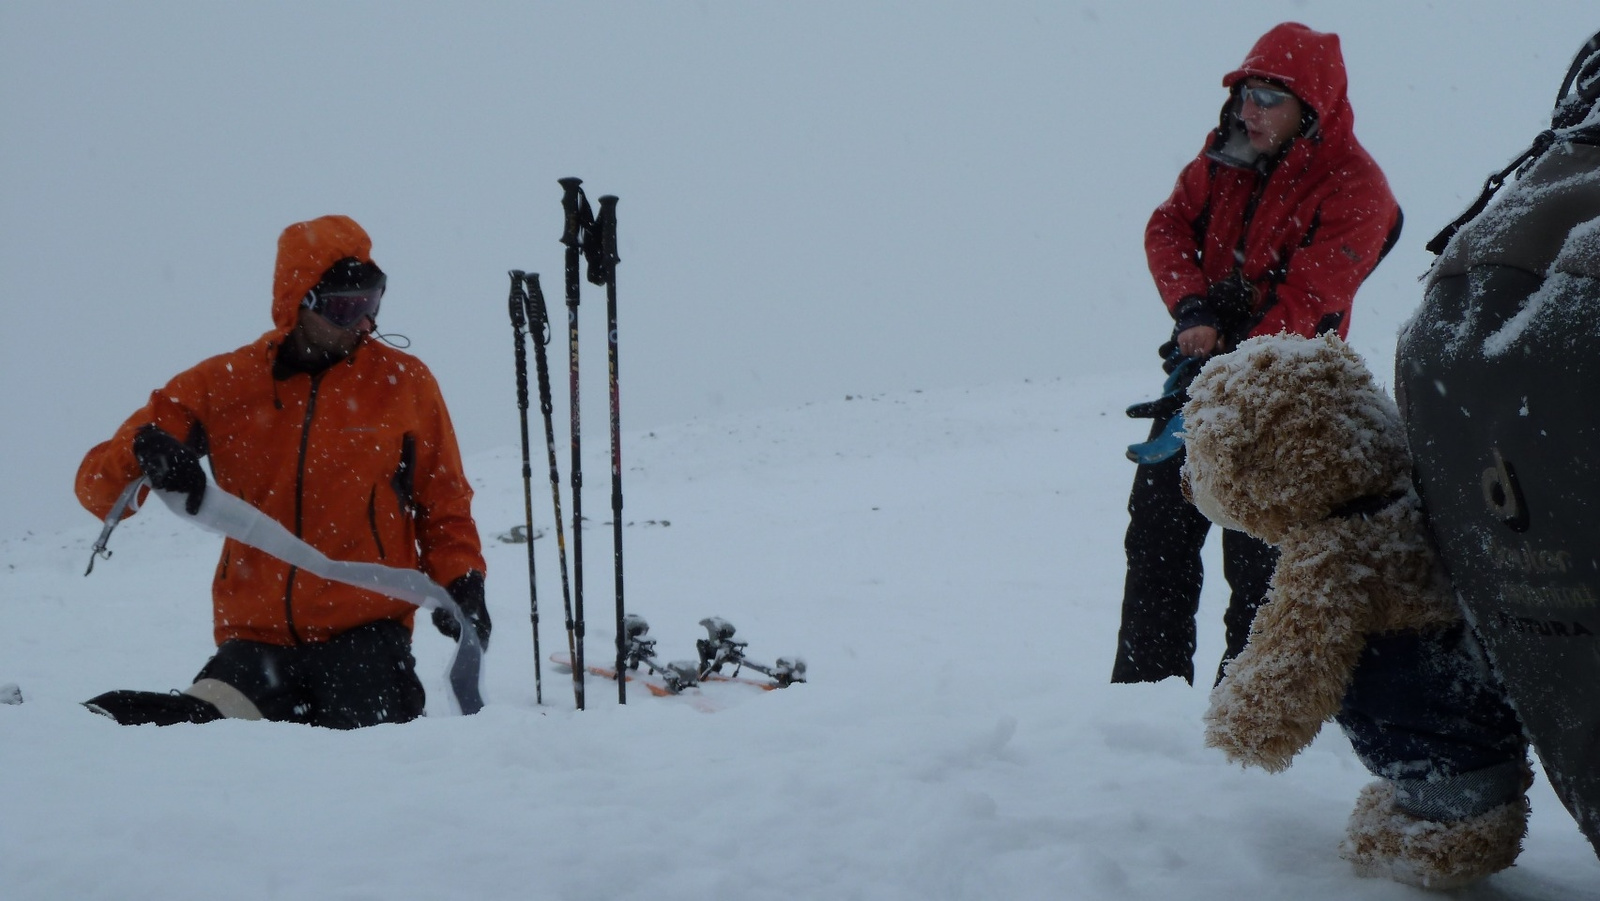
x,y
1291,440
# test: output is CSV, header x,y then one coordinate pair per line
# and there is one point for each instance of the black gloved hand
x,y
170,464
467,592
1192,311
1231,300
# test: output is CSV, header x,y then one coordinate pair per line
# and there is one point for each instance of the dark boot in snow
x,y
138,708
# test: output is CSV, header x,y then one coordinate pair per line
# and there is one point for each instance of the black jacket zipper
x,y
372,521
299,504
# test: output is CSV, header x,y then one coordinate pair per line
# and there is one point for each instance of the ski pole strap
x,y
234,518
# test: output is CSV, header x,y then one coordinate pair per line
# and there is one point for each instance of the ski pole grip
x,y
538,315
570,197
601,249
606,224
518,301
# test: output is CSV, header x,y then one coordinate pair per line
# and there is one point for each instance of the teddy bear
x,y
1291,440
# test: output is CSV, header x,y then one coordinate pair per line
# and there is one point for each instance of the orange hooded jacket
x,y
359,460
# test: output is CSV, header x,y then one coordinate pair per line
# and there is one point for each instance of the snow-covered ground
x,y
883,300
948,563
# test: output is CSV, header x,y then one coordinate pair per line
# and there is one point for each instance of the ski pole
x,y
605,226
539,324
519,303
579,221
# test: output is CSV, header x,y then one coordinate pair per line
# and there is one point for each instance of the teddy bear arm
x,y
1290,678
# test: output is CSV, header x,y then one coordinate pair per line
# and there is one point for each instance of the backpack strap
x,y
1490,187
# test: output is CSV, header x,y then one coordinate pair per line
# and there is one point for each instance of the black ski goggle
x,y
346,308
1264,97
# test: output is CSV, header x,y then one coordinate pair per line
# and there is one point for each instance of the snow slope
x,y
948,563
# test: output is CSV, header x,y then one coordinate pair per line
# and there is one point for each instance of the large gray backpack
x,y
1498,377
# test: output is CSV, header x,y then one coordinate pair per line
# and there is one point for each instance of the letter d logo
x,y
1504,495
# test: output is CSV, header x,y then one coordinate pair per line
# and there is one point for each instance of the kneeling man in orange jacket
x,y
346,443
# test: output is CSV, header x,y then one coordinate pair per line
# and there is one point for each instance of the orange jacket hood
x,y
305,251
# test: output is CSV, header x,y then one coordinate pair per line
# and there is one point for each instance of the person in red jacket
x,y
345,442
1271,228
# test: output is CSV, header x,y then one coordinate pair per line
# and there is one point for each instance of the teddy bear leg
x,y
1428,718
1386,836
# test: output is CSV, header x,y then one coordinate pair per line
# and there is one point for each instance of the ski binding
x,y
718,649
641,651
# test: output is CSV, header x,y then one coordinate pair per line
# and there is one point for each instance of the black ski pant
x,y
1162,592
360,677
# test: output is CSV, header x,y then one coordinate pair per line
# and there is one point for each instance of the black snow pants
x,y
360,677
1162,592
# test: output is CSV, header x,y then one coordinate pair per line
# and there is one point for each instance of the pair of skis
x,y
716,651
594,237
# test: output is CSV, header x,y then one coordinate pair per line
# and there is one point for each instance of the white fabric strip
x,y
225,514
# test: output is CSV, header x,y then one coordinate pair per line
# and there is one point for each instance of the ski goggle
x,y
346,308
1264,97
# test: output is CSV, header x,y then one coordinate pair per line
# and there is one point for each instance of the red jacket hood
x,y
305,251
1310,64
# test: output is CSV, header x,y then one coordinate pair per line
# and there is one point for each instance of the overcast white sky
x,y
817,199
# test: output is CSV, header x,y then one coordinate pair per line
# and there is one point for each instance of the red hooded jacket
x,y
359,461
1305,229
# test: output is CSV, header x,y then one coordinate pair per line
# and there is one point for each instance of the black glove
x,y
170,464
1226,307
467,592
1191,311
1231,300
